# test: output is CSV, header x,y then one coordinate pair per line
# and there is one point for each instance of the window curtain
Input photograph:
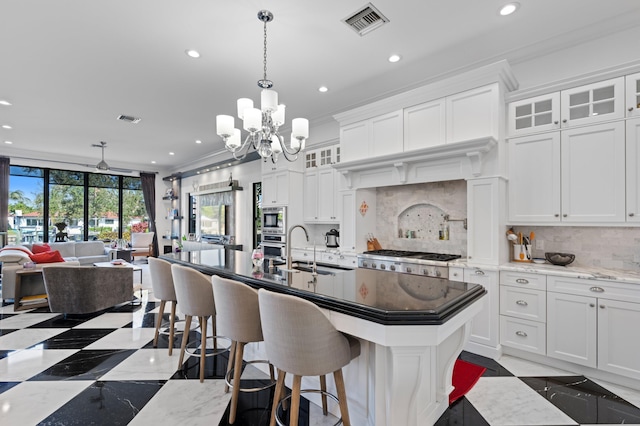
x,y
4,196
149,193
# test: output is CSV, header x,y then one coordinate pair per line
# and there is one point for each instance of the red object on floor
x,y
465,375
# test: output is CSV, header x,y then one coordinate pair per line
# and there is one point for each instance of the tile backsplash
x,y
420,209
605,247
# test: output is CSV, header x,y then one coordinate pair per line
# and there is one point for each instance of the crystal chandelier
x,y
263,124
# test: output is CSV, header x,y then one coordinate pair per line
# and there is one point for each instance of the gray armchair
x,y
86,289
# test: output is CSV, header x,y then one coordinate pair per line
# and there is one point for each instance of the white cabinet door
x,y
571,328
619,337
633,170
538,114
593,173
268,189
275,188
534,178
326,195
310,197
354,140
485,204
473,114
386,134
593,103
348,220
633,95
424,125
485,325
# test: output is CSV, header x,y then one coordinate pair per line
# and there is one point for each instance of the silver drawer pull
x,y
521,303
522,281
479,273
521,334
597,289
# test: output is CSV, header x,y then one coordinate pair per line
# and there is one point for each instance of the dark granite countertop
x,y
388,298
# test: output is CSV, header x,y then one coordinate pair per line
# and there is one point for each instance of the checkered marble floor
x,y
102,369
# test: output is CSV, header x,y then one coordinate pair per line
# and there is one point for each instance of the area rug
x,y
465,375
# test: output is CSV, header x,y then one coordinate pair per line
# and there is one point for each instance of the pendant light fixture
x,y
263,124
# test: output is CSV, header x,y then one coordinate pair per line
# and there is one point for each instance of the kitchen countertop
x,y
387,298
584,272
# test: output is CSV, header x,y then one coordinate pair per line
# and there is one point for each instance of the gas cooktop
x,y
442,257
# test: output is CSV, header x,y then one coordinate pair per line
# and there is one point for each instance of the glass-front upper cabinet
x,y
533,115
633,95
593,103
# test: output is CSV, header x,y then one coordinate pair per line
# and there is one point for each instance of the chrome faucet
x,y
306,234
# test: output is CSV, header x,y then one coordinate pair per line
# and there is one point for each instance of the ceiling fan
x,y
102,166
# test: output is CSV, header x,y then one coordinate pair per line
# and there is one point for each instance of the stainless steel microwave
x,y
274,220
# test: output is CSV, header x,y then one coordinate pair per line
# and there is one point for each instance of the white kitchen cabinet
x,y
538,114
593,173
425,125
374,137
484,330
348,261
633,169
619,337
522,334
473,114
278,188
485,207
358,218
632,85
321,185
534,178
348,220
592,103
310,196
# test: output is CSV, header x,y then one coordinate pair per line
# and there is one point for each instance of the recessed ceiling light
x,y
216,168
192,53
6,126
509,8
198,141
323,89
153,162
171,153
8,142
3,102
394,58
229,164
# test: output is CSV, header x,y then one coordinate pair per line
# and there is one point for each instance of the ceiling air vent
x,y
365,20
129,119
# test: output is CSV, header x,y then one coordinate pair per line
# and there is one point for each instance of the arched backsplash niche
x,y
421,208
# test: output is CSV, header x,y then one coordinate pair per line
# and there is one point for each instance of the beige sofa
x,y
79,253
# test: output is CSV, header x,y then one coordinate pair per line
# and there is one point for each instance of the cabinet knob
x,y
556,215
564,121
521,334
631,214
630,109
555,122
455,274
592,305
564,215
597,289
479,272
602,306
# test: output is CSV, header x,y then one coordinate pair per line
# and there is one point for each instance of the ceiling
x,y
70,67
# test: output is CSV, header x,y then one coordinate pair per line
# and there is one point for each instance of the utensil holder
x,y
524,249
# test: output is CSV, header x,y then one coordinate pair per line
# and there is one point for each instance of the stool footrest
x,y
229,375
302,391
193,347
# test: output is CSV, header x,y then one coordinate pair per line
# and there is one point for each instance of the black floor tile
x,y
106,403
493,368
215,366
5,316
584,401
84,365
5,353
66,321
5,331
5,386
76,338
254,408
461,412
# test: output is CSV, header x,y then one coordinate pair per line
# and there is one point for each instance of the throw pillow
x,y
13,255
21,248
40,248
47,257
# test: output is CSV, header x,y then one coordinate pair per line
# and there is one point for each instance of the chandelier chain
x,y
265,51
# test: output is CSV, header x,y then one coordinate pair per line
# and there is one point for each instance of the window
x,y
86,205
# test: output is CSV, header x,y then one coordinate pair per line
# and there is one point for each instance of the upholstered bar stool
x,y
162,284
194,293
239,320
300,340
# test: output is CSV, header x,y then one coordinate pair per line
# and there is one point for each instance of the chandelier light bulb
x,y
294,143
224,125
269,100
244,103
278,115
276,146
233,142
252,120
300,128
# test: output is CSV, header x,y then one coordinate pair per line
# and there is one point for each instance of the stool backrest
x,y
161,279
299,338
194,291
237,309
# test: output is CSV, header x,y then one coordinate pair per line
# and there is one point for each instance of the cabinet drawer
x,y
522,334
625,292
523,303
348,261
456,274
524,279
330,258
480,276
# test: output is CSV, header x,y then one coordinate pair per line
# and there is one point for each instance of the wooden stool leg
x,y
232,354
185,338
203,346
159,323
323,388
272,376
237,372
342,397
277,395
295,401
172,326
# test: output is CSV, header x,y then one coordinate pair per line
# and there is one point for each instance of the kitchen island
x,y
411,328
